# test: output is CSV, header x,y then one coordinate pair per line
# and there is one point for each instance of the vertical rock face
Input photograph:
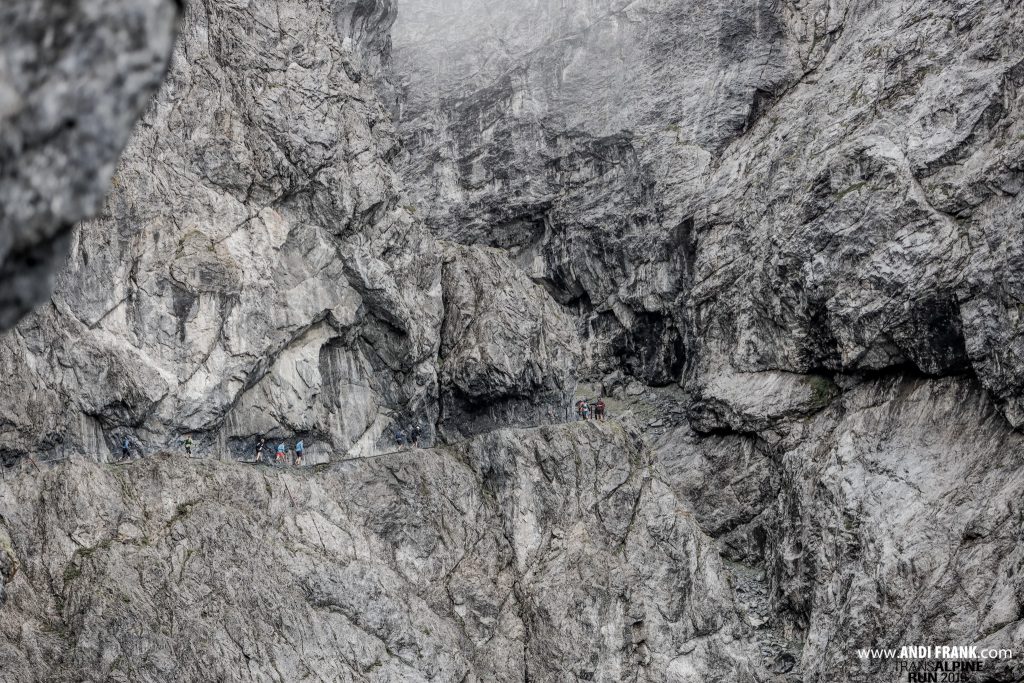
x,y
235,279
890,517
806,214
831,231
578,136
483,563
254,270
74,78
755,185
508,353
783,235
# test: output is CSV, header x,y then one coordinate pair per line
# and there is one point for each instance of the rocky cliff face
x,y
580,137
892,516
485,562
800,212
779,237
255,272
821,186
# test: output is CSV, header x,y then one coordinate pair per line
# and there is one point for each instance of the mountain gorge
x,y
780,238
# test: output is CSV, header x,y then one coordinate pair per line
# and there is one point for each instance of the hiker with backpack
x,y
280,453
187,443
415,434
300,450
259,449
400,438
599,410
125,449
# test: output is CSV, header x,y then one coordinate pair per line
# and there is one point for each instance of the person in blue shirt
x,y
300,450
280,452
125,448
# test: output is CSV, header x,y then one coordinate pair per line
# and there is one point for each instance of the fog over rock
x,y
780,239
816,187
254,271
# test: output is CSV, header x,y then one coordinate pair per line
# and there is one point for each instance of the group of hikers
x,y
405,438
585,410
282,453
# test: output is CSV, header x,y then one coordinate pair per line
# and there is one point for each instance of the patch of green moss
x,y
72,572
852,188
822,391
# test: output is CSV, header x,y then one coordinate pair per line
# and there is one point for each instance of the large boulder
x,y
509,354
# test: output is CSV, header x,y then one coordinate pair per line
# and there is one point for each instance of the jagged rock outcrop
x,y
254,271
540,554
892,517
800,212
74,78
509,354
840,247
762,186
784,236
579,137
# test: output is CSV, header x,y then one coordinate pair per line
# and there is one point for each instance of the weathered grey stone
x,y
485,562
8,563
579,137
890,518
795,225
509,354
802,189
255,272
74,78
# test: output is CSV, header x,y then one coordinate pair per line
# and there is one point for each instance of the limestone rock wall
x,y
800,220
780,236
822,186
891,517
255,270
482,563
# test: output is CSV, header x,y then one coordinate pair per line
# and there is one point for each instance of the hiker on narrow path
x,y
125,449
300,450
259,449
280,453
187,443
